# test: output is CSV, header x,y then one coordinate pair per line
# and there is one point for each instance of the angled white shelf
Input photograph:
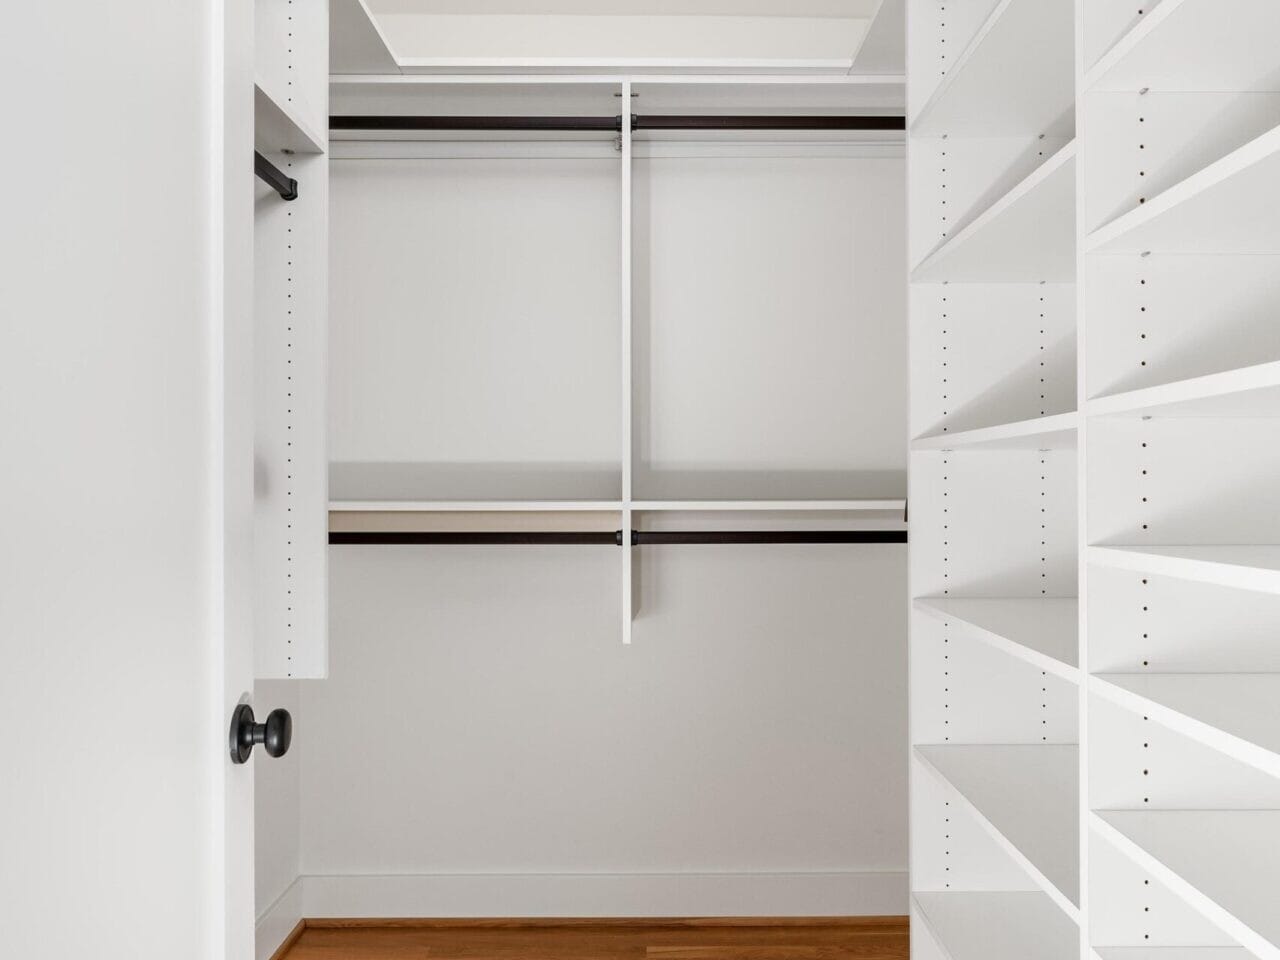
x,y
473,506
1016,76
1026,797
1172,953
1228,207
1194,45
1026,236
1056,432
1245,392
765,506
1224,863
279,125
1237,714
1245,567
998,925
1043,632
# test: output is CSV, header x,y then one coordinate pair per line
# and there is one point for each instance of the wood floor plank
x,y
872,938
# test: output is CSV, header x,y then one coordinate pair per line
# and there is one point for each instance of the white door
x,y
126,479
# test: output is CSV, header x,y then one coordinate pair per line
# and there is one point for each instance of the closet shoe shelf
x,y
1040,631
997,925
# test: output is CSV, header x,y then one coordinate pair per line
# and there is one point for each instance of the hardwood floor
x,y
844,938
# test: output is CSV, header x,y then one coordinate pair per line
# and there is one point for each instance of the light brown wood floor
x,y
857,938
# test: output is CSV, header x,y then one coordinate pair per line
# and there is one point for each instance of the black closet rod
x,y
638,537
614,124
272,175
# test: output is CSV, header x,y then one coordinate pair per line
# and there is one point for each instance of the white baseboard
x,y
607,895
278,920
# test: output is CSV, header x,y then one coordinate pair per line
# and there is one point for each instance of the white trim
x,y
278,920
874,893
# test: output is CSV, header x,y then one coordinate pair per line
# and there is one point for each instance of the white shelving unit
x,y
1179,134
995,656
291,342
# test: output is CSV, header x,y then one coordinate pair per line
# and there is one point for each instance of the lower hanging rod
x,y
273,177
638,537
614,124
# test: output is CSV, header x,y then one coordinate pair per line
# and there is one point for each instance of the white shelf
x,y
1237,714
1195,45
1000,925
474,506
1026,796
1228,207
1172,953
1016,76
1245,392
776,506
1043,632
280,125
1224,863
1028,235
1244,567
1057,432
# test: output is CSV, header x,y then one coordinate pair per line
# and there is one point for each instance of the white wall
x,y
485,744
482,725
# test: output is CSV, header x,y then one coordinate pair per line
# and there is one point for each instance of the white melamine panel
x,y
1164,319
1057,432
1241,567
1172,953
1027,798
1141,145
517,736
279,127
1193,45
1137,917
986,355
1250,392
1138,762
768,294
994,523
998,925
1224,863
277,833
1028,235
967,692
1028,39
475,328
1042,632
1149,485
1235,713
473,96
1222,208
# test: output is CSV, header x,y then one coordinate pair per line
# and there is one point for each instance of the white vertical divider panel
x,y
291,346
629,571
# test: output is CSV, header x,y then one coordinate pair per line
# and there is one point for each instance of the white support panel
x,y
1171,953
1245,392
1228,207
1015,76
1235,713
1042,631
1026,236
770,506
626,200
1195,45
1245,567
278,127
1026,797
1224,863
998,925
1056,432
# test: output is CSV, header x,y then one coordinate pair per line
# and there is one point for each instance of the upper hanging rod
x,y
271,175
638,537
614,124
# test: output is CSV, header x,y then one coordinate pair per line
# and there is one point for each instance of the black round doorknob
x,y
275,735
